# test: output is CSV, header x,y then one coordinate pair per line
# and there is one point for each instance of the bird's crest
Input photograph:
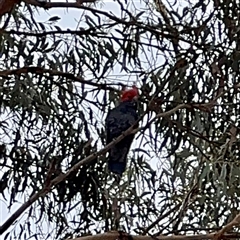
x,y
129,94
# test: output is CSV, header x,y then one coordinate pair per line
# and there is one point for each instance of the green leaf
x,y
53,19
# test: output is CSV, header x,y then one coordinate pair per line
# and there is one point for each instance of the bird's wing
x,y
117,122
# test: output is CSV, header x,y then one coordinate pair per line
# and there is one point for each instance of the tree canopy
x,y
58,83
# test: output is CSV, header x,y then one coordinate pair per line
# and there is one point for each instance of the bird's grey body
x,y
119,120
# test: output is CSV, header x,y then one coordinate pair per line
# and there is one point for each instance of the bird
x,y
118,120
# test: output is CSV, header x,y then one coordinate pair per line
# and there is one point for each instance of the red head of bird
x,y
129,94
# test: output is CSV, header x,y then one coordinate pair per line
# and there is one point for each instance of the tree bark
x,y
124,236
6,6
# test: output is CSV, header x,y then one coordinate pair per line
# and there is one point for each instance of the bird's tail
x,y
117,160
117,168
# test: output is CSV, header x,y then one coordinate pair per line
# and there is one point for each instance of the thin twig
x,y
153,224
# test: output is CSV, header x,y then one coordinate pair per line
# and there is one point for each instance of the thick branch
x,y
6,6
116,236
228,227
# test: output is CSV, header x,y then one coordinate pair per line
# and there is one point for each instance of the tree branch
x,y
57,4
6,6
41,71
123,236
228,227
88,31
132,22
154,223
